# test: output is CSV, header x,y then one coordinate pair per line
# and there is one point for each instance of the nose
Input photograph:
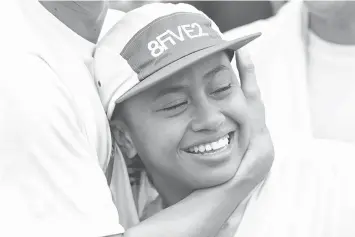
x,y
208,117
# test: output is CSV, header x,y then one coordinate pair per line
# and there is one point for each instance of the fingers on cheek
x,y
239,107
252,93
247,73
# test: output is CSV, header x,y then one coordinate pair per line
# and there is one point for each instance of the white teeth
x,y
216,145
201,148
223,142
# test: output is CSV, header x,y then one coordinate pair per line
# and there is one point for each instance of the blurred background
x,y
226,14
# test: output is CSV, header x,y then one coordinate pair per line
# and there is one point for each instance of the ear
x,y
122,136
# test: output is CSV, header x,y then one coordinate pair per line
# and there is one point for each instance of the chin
x,y
216,176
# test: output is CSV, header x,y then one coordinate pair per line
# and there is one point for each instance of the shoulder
x,y
34,96
33,77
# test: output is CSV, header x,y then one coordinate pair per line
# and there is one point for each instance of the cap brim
x,y
186,61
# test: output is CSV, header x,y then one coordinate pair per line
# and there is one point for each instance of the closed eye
x,y
174,107
222,89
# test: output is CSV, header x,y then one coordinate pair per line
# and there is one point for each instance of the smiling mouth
x,y
212,147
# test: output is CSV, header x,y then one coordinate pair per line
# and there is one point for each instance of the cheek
x,y
157,141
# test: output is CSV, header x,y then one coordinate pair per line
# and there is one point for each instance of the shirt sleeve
x,y
50,180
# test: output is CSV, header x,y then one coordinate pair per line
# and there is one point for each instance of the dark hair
x,y
134,165
117,114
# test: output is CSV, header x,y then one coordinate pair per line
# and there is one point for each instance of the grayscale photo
x,y
126,118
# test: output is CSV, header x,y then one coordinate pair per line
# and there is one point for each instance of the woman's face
x,y
191,129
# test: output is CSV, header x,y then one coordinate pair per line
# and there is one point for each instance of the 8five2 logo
x,y
188,31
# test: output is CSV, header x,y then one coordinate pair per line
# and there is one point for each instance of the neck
x,y
335,30
170,191
83,17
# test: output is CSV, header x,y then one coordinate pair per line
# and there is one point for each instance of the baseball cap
x,y
151,43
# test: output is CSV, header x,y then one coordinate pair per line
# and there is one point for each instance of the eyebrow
x,y
177,88
168,90
215,70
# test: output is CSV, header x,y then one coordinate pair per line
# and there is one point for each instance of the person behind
x,y
179,102
304,61
231,14
55,141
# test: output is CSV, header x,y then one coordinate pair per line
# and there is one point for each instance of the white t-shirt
x,y
54,136
309,193
332,89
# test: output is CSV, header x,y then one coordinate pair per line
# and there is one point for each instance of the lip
x,y
215,158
